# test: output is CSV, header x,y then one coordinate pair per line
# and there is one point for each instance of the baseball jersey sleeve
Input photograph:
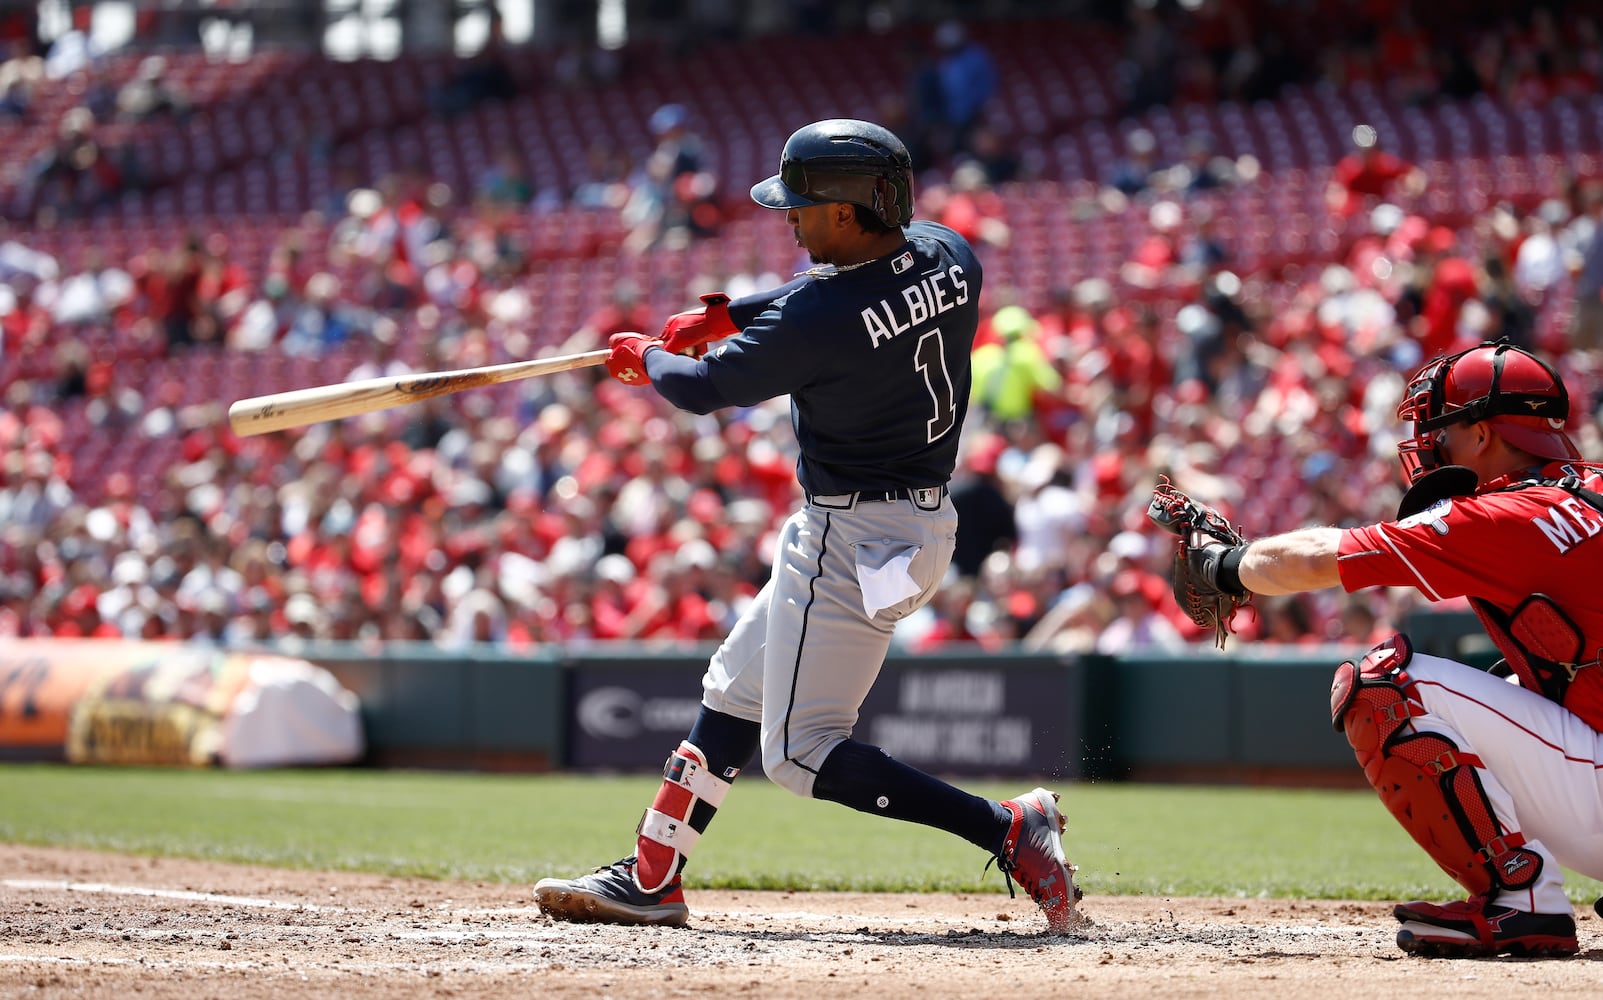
x,y
687,383
683,381
1501,547
771,356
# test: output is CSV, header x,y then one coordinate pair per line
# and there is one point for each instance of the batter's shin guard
x,y
1425,781
685,804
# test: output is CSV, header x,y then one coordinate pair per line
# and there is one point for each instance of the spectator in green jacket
x,y
1012,371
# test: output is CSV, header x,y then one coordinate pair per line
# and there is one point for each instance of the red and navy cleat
x,y
1478,928
611,895
1032,856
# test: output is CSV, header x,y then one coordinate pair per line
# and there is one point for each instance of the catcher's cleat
x,y
1032,855
611,895
1478,928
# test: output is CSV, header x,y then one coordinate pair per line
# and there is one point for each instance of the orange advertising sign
x,y
112,701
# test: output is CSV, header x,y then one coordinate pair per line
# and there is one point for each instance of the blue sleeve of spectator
x,y
683,381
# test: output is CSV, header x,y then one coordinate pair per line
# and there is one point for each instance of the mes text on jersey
x,y
1569,523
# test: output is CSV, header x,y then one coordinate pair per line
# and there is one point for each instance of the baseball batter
x,y
1500,781
872,346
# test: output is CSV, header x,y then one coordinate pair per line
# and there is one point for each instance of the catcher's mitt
x,y
1204,539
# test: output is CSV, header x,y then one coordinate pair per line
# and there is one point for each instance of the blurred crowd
x,y
572,509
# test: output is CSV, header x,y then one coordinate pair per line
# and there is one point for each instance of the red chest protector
x,y
1541,645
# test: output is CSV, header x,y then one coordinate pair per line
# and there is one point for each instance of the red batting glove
x,y
627,362
688,330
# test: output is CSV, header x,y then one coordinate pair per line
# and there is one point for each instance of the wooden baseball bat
x,y
300,407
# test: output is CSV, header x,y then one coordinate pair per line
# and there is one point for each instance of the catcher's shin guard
x,y
1425,781
685,804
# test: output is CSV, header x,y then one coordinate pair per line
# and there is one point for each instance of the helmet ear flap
x,y
885,201
893,200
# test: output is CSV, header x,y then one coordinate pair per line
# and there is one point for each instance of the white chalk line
x,y
106,888
389,932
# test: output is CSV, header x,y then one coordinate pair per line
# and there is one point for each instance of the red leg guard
x,y
671,827
1424,780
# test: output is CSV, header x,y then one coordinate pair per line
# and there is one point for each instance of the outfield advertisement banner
x,y
115,702
947,717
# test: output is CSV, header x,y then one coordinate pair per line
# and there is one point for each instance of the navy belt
x,y
926,497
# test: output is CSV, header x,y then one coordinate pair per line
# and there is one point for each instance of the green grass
x,y
1127,839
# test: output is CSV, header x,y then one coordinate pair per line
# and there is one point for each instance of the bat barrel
x,y
300,407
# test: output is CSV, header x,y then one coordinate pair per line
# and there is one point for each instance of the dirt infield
x,y
84,924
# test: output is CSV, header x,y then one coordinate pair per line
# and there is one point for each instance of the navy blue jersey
x,y
875,360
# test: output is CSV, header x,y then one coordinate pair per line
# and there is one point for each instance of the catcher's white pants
x,y
808,649
1543,766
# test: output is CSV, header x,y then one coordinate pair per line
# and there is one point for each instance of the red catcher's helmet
x,y
1516,392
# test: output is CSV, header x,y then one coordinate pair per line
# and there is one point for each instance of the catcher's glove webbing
x,y
1205,540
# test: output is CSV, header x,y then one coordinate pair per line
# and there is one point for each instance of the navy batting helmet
x,y
843,159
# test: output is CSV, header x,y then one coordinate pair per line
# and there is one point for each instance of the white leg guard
x,y
673,824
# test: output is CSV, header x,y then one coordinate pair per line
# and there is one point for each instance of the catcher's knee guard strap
x,y
684,805
1425,781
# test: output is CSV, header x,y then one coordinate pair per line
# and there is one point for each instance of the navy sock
x,y
870,780
727,742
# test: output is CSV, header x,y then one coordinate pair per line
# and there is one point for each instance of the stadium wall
x,y
1251,714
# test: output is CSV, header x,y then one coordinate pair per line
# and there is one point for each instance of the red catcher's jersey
x,y
1499,548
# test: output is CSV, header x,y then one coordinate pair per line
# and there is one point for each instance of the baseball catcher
x,y
1500,783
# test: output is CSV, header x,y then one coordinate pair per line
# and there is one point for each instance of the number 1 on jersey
x,y
930,359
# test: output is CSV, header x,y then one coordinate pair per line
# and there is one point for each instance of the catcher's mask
x,y
1520,395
